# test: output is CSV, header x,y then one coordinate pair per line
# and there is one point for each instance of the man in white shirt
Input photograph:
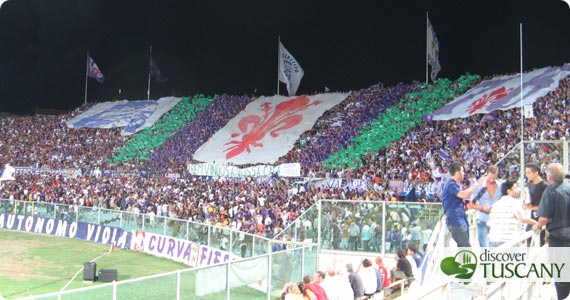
x,y
337,286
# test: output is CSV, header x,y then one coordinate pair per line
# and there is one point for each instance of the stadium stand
x,y
100,167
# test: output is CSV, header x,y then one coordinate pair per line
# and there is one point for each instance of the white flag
x,y
433,51
290,72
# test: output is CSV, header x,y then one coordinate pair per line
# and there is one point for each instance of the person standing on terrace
x,y
453,206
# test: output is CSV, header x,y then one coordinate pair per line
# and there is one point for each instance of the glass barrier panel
x,y
176,228
7,206
45,210
410,223
198,233
310,261
285,268
211,283
61,211
88,214
220,238
349,225
113,218
28,209
160,224
260,246
238,245
153,223
248,279
19,208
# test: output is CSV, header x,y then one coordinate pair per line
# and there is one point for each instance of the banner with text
x,y
75,230
207,169
179,250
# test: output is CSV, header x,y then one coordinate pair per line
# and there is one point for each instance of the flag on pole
x,y
433,51
290,72
94,72
155,72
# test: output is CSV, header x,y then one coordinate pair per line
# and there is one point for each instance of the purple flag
x,y
443,154
93,71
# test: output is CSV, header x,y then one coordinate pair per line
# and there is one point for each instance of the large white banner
x,y
503,93
133,116
266,129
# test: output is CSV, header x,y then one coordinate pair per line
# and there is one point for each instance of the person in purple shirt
x,y
452,198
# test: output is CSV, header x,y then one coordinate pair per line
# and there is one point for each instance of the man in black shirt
x,y
404,266
355,282
553,212
536,188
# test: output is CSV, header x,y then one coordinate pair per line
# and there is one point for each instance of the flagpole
x,y
148,86
278,60
427,46
522,166
86,79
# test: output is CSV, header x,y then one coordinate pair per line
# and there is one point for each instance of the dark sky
x,y
212,46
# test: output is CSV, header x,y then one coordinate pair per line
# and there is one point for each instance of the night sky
x,y
213,46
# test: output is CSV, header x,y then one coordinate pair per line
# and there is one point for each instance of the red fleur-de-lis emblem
x,y
254,127
493,97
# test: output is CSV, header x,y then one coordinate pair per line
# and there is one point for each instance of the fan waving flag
x,y
155,72
433,51
94,72
290,71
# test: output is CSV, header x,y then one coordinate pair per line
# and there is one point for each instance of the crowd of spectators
x,y
68,165
45,142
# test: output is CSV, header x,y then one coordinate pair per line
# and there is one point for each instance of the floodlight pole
x,y
522,165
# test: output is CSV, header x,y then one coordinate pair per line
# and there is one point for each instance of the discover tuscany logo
x,y
530,264
462,265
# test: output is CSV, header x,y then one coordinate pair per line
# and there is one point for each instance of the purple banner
x,y
75,230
